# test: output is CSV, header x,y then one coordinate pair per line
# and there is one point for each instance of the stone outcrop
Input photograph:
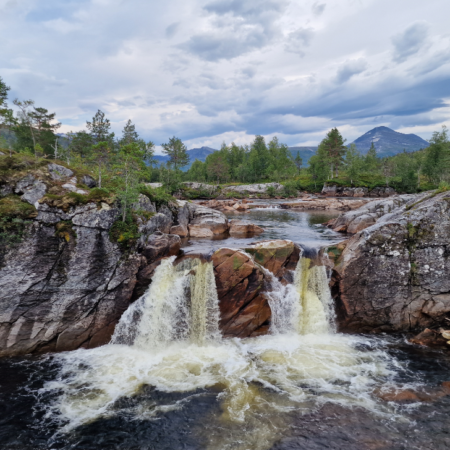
x,y
252,189
340,191
206,222
337,204
243,228
361,218
394,275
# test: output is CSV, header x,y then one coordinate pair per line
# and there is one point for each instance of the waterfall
x,y
180,305
306,306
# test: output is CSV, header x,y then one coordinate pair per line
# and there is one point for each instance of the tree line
x,y
127,160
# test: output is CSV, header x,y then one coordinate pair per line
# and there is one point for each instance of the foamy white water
x,y
169,339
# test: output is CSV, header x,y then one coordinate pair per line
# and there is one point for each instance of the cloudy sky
x,y
210,71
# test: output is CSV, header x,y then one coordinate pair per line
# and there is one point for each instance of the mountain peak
x,y
389,142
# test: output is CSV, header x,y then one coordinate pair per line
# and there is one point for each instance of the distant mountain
x,y
194,153
389,142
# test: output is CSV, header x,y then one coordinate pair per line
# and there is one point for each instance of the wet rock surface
x,y
393,275
244,310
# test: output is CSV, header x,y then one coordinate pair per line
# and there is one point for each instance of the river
x,y
168,380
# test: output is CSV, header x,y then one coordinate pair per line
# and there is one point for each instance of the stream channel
x,y
168,380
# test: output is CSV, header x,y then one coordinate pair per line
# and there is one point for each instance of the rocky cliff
x,y
68,281
393,275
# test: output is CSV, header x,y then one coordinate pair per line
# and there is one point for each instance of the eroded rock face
x,y
58,294
394,275
244,310
363,217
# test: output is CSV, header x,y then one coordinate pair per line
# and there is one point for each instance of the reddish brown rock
x,y
243,227
277,256
244,310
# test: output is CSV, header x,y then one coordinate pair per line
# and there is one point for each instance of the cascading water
x,y
166,313
170,340
304,307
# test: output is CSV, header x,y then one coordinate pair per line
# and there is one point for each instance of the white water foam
x,y
169,339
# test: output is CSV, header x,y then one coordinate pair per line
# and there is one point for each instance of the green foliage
x,y
3,96
177,153
290,189
271,191
14,215
100,129
159,196
437,157
217,167
125,232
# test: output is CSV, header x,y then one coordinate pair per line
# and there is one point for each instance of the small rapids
x,y
170,340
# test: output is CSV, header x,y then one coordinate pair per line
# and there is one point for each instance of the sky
x,y
213,71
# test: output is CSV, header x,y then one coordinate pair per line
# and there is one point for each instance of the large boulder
x,y
158,222
58,172
244,228
180,227
244,310
394,275
144,204
206,222
31,188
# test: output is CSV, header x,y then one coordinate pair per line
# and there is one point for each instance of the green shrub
x,y
271,191
125,233
290,189
234,194
14,215
158,196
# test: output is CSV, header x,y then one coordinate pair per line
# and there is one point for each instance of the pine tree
x,y
129,134
333,144
177,153
353,162
298,162
371,160
99,128
3,96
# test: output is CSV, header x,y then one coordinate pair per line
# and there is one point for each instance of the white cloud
x,y
209,71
